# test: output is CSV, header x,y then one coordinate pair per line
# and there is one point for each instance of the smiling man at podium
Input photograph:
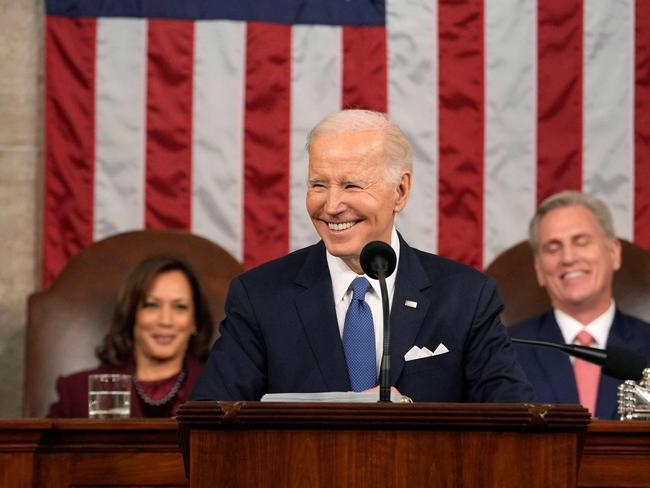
x,y
312,321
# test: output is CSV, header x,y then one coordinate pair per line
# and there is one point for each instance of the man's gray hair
x,y
571,198
399,158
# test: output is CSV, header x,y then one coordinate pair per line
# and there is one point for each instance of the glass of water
x,y
109,396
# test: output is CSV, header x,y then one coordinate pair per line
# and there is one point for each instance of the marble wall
x,y
21,154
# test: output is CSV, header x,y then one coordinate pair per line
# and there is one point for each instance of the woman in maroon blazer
x,y
160,334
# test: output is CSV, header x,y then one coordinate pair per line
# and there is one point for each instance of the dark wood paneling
x,y
327,458
616,454
388,445
74,453
143,453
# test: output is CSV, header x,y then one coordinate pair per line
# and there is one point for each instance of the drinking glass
x,y
109,396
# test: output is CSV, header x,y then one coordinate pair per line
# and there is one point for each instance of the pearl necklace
x,y
157,403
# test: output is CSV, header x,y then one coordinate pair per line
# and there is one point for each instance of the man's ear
x,y
402,192
615,250
538,273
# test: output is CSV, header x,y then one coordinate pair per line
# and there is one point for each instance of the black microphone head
x,y
624,364
377,256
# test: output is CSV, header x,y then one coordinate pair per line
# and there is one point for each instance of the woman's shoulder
x,y
82,375
72,392
72,380
194,366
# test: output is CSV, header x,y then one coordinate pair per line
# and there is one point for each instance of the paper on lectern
x,y
331,396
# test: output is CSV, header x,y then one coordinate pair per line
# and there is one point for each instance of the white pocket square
x,y
424,352
441,349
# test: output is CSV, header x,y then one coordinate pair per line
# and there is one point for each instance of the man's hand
x,y
376,389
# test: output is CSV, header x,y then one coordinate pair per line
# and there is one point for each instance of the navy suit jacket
x,y
550,371
280,334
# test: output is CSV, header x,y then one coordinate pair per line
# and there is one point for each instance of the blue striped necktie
x,y
359,338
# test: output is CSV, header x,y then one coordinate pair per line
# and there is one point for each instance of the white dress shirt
x,y
598,328
342,277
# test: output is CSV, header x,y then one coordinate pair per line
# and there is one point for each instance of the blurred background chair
x,y
513,271
67,321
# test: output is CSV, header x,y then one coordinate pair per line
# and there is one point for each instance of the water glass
x,y
109,396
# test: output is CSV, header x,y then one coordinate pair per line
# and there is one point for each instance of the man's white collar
x,y
342,275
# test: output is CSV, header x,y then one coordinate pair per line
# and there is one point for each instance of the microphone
x,y
618,362
378,261
376,258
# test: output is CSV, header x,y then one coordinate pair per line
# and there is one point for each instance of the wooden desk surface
x,y
145,453
81,452
616,454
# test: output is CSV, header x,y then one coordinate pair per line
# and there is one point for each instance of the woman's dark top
x,y
73,392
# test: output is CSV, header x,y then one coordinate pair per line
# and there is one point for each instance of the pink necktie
x,y
587,375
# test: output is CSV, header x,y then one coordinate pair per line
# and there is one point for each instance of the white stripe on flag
x,y
608,164
120,89
315,92
510,123
413,104
217,134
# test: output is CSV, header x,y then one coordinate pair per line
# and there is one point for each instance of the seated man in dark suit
x,y
576,253
312,321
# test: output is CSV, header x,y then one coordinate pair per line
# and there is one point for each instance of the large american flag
x,y
193,115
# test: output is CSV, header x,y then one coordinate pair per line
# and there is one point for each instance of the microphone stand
x,y
618,362
384,368
591,354
378,260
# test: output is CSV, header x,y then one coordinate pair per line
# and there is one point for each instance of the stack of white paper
x,y
330,396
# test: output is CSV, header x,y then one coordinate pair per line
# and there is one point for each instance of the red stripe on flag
x,y
461,130
365,76
70,140
266,142
170,60
642,125
559,96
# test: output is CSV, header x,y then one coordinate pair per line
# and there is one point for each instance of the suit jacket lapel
x,y
406,321
315,307
619,336
559,373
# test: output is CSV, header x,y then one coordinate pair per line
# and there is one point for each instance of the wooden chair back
x,y
523,298
67,321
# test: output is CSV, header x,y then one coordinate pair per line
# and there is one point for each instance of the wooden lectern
x,y
381,444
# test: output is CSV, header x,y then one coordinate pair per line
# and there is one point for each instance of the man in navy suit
x,y
285,319
576,253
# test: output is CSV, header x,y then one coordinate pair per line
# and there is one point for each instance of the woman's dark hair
x,y
117,347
